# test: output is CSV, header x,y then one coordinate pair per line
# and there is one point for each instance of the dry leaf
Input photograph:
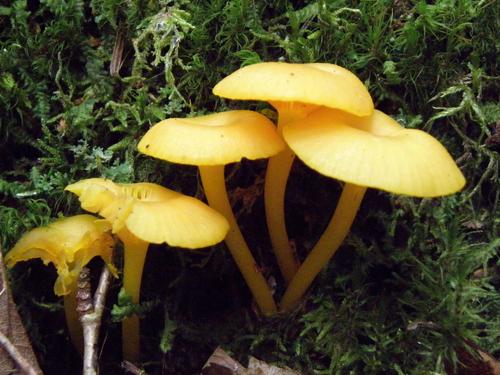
x,y
475,362
220,363
12,328
256,367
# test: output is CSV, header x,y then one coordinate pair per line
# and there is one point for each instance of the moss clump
x,y
432,66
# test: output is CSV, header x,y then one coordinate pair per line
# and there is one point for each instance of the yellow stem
x,y
330,241
278,169
135,251
73,321
214,185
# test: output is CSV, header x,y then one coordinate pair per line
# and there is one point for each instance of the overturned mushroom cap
x,y
374,151
322,84
214,139
69,243
152,213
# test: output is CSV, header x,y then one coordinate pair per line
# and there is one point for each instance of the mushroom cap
x,y
374,151
69,243
152,213
214,139
322,84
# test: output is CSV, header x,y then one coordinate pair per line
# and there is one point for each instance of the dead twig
x,y
91,315
117,56
21,362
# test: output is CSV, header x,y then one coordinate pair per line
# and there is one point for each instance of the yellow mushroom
x,y
295,90
372,151
144,213
68,243
210,142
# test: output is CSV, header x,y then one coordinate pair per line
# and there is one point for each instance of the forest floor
x,y
417,280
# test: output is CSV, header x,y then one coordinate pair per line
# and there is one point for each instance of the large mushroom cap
x,y
214,139
374,151
69,243
322,84
153,213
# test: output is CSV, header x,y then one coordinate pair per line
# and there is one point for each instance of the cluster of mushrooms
x,y
325,116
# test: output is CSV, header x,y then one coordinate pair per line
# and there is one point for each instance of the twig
x,y
17,357
102,290
91,315
117,56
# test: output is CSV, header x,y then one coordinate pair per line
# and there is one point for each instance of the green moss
x,y
403,292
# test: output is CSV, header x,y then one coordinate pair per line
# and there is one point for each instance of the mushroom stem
x,y
278,170
135,251
212,178
325,248
72,320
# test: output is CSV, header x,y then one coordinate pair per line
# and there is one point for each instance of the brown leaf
x,y
493,141
12,328
220,363
472,360
256,367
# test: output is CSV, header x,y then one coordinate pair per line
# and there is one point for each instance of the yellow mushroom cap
x,y
214,139
152,213
322,84
99,195
374,151
69,243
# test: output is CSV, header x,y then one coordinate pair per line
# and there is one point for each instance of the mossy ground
x,y
431,65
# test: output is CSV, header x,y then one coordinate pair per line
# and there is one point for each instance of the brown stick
x,y
17,357
117,56
91,316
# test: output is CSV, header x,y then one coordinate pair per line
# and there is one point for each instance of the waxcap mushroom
x,y
152,212
215,139
320,84
144,213
374,151
210,142
294,90
69,243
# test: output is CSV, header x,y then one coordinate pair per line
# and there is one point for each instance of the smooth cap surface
x,y
322,84
374,151
152,213
214,139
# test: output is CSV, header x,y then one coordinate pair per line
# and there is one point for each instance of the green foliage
x,y
125,307
168,334
399,298
14,221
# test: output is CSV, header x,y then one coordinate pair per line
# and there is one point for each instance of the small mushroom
x,y
68,243
373,151
144,213
295,90
210,142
